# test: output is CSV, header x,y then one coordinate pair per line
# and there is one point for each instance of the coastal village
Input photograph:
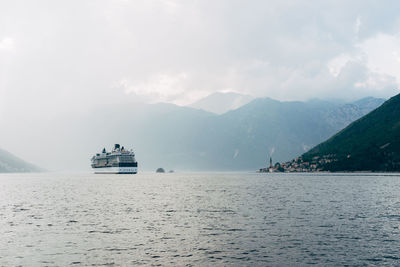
x,y
299,165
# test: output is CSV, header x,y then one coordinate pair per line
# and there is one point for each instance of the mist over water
x,y
199,219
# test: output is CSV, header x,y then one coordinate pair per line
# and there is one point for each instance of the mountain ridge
x,y
371,143
11,163
187,139
239,139
220,103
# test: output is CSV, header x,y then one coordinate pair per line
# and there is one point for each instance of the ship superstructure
x,y
119,160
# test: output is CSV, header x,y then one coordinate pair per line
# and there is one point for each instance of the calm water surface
x,y
199,219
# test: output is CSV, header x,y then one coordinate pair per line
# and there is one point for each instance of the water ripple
x,y
199,219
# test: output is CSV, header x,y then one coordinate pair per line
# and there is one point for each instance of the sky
x,y
71,55
61,57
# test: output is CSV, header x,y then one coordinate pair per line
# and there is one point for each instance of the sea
x,y
199,219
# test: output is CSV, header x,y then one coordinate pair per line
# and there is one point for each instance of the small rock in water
x,y
160,170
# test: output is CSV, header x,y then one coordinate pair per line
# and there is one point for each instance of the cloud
x,y
7,43
383,52
336,64
284,50
163,87
357,25
70,54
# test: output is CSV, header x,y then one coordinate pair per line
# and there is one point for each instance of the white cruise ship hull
x,y
124,170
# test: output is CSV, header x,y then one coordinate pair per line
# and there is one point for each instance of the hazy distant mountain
x,y
283,130
344,114
183,138
371,143
10,163
220,103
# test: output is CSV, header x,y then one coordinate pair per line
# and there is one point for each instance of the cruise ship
x,y
119,160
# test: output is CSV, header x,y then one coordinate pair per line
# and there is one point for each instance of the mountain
x,y
184,138
346,113
371,143
283,130
220,103
10,163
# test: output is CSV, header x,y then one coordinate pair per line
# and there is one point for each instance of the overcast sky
x,y
57,56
